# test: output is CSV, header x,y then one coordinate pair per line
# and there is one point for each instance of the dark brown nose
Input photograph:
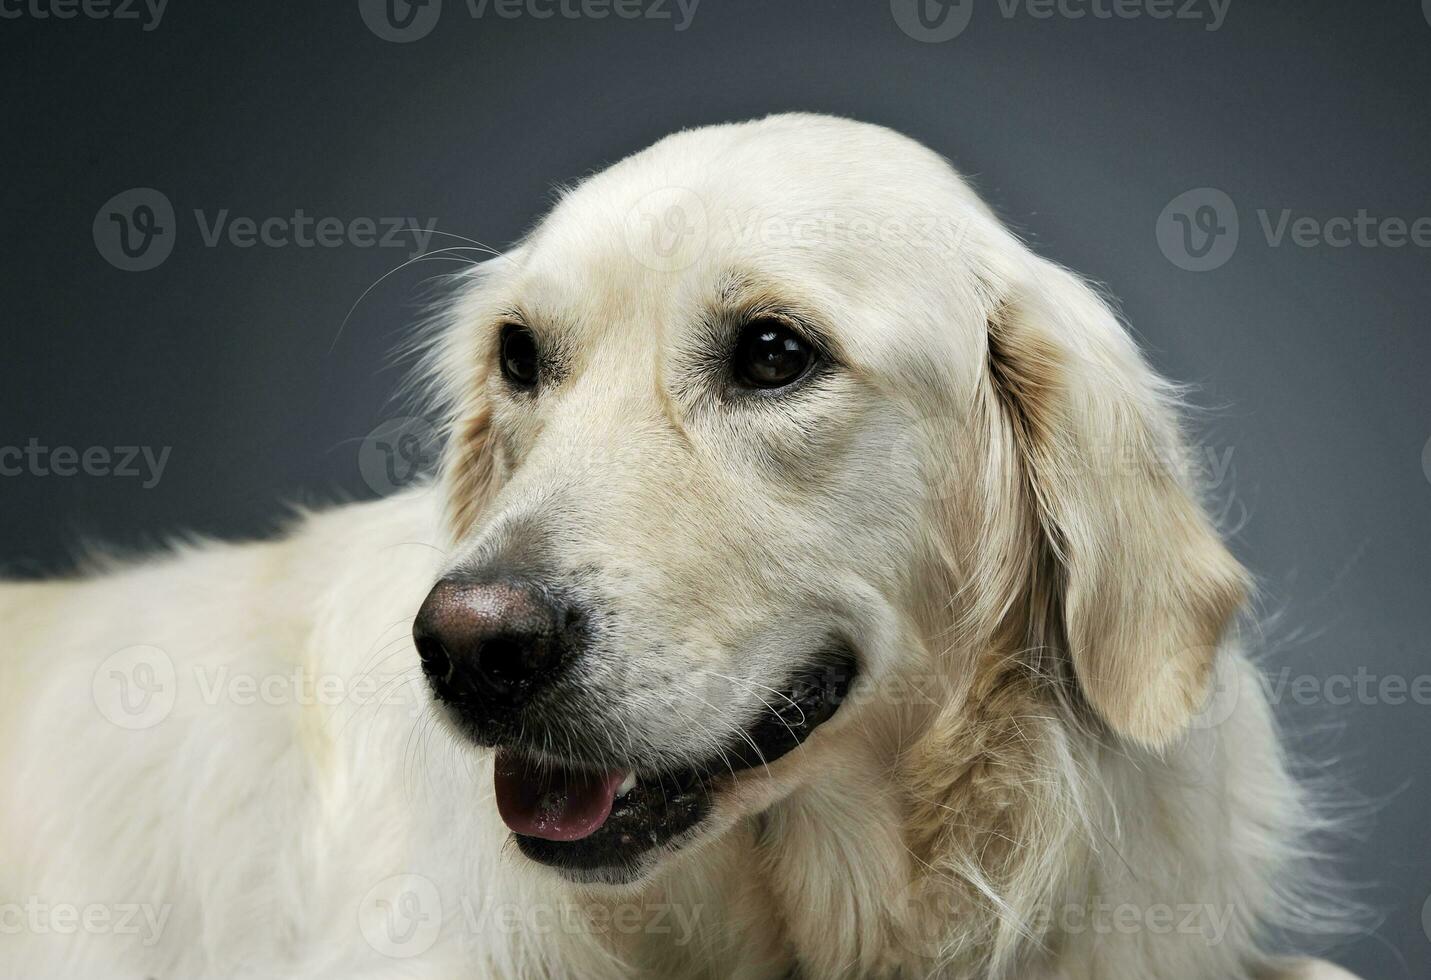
x,y
488,648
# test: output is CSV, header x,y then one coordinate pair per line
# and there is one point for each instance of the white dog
x,y
825,568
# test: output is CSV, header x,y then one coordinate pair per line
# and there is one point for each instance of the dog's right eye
x,y
770,355
519,355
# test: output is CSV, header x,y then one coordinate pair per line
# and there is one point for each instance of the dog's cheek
x,y
804,447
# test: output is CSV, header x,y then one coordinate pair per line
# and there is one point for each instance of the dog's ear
x,y
456,357
467,470
1140,587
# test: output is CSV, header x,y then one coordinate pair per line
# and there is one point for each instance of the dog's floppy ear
x,y
1142,588
467,466
455,359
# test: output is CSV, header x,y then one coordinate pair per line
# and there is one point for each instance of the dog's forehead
x,y
822,213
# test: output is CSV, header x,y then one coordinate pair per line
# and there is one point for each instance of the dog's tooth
x,y
627,784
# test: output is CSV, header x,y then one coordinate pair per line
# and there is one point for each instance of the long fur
x,y
994,497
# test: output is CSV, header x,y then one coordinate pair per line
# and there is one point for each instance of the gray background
x,y
1081,131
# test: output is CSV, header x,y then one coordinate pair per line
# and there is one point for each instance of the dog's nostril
x,y
436,662
508,661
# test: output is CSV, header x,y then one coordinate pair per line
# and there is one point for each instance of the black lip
x,y
663,809
656,812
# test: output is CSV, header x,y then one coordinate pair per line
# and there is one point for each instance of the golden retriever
x,y
815,585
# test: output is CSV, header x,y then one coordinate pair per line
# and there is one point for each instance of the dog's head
x,y
759,419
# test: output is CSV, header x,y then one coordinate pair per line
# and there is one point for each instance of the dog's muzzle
x,y
496,653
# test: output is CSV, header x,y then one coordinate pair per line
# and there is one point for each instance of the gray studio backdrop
x,y
197,194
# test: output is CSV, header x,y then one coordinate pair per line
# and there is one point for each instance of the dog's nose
x,y
488,647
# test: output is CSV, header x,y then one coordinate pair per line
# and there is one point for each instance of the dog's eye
x,y
771,355
519,355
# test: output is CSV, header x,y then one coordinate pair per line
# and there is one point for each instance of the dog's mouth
x,y
597,824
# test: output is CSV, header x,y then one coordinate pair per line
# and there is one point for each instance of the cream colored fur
x,y
989,495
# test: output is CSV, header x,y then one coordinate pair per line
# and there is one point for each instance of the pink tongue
x,y
553,803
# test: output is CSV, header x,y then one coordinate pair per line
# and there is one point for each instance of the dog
x,y
815,582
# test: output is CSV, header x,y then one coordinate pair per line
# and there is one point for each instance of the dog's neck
x,y
896,848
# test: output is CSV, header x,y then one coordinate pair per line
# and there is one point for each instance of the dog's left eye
x,y
519,355
771,355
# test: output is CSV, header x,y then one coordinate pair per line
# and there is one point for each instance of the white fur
x,y
989,822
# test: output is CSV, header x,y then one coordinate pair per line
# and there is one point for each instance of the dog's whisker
x,y
753,685
392,272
